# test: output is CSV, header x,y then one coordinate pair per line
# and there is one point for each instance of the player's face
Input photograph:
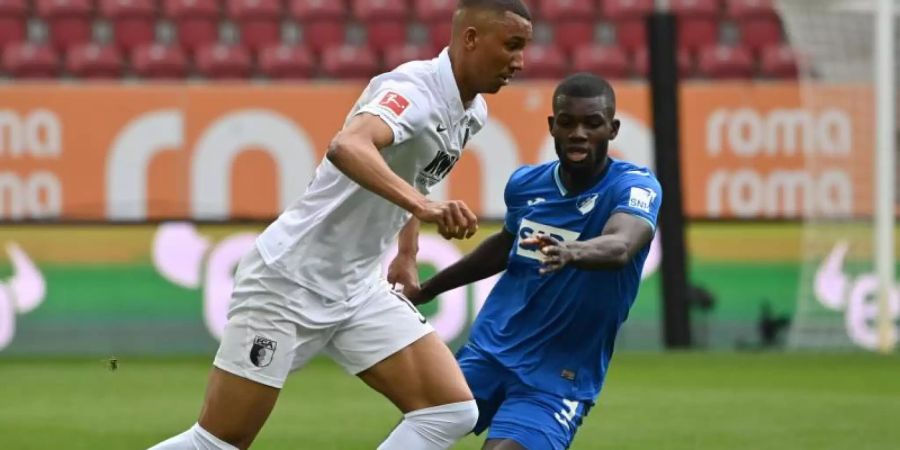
x,y
498,54
581,129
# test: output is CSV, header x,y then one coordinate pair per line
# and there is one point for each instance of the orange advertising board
x,y
217,152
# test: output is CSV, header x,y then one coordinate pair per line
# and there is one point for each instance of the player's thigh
x,y
502,444
266,337
236,408
488,381
538,420
421,375
392,348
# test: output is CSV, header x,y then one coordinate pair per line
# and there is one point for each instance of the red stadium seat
x,y
698,22
196,22
282,61
642,62
12,22
258,20
439,35
628,16
395,56
221,61
384,21
544,61
158,61
605,61
323,21
434,11
133,21
94,61
29,60
573,21
723,61
780,61
436,15
349,61
757,21
68,21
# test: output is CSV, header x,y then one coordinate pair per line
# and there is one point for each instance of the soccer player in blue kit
x,y
575,238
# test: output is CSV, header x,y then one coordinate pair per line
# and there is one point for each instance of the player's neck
x,y
578,182
466,94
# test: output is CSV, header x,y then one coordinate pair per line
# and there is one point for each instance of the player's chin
x,y
497,85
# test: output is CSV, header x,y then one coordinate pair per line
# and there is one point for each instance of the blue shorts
x,y
535,419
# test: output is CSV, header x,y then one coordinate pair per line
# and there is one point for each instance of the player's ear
x,y
615,129
470,37
550,120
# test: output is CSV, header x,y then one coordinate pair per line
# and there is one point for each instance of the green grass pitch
x,y
661,401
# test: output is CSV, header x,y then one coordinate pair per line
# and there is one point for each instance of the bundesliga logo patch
x,y
395,102
262,351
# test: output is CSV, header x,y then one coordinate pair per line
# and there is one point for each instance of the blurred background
x,y
145,143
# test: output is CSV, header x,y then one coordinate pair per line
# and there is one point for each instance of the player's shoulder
x,y
530,174
419,75
628,173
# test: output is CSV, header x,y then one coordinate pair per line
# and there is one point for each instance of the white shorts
x,y
275,326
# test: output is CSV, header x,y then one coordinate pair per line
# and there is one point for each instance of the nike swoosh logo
x,y
441,128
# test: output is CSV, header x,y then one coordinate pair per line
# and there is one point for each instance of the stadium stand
x,y
323,38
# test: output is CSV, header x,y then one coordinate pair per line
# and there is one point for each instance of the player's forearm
x,y
408,240
489,258
602,252
363,163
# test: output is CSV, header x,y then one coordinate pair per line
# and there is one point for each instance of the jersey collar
x,y
562,188
558,180
448,85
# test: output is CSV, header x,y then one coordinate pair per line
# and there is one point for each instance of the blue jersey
x,y
556,331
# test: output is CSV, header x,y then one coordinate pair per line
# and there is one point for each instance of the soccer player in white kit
x,y
313,283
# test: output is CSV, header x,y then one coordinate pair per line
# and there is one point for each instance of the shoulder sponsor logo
x,y
529,228
641,198
536,200
395,102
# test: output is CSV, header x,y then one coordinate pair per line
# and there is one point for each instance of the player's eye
x,y
514,45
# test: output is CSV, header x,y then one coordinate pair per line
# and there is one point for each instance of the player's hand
x,y
403,274
453,218
421,297
556,254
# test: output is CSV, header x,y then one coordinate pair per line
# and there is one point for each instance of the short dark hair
x,y
584,84
514,6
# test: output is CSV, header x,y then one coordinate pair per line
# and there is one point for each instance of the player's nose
x,y
578,134
518,62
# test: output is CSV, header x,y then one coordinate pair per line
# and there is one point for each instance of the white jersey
x,y
333,238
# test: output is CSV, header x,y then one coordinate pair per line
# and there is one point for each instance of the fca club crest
x,y
262,351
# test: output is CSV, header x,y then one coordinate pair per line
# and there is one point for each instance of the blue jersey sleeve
x,y
640,194
515,204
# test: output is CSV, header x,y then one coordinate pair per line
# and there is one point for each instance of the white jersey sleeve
x,y
400,104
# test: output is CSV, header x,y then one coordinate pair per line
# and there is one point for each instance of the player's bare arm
x,y
623,236
489,258
403,271
355,151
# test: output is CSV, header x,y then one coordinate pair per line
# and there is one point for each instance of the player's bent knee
x,y
196,438
434,428
445,422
